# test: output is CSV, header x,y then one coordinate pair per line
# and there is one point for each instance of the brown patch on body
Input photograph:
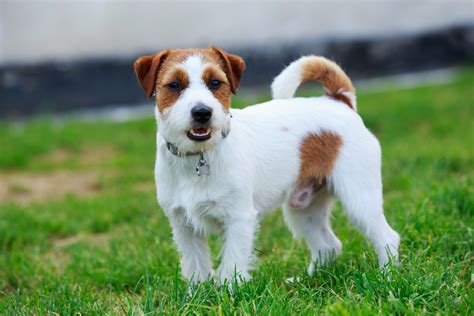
x,y
318,152
333,78
152,71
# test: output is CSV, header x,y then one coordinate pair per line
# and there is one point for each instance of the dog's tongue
x,y
200,130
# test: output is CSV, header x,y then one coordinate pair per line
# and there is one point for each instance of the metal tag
x,y
202,167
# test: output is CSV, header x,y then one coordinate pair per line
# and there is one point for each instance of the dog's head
x,y
192,89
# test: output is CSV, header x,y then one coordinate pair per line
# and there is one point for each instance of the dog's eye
x,y
215,84
174,86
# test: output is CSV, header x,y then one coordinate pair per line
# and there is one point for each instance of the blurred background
x,y
62,56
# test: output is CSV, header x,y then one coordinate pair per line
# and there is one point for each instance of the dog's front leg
x,y
196,262
237,251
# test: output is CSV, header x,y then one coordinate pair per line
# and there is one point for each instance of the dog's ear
x,y
146,69
234,67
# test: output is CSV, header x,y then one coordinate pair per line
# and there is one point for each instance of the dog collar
x,y
202,167
175,151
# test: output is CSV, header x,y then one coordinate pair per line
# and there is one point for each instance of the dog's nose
x,y
201,113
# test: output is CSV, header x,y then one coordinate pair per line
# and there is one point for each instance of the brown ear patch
x,y
318,153
234,66
146,70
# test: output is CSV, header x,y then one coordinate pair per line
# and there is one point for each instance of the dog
x,y
219,169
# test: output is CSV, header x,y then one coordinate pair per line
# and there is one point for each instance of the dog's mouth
x,y
199,134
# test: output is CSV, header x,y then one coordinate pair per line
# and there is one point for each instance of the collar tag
x,y
202,167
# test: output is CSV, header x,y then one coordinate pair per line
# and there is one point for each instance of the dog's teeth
x,y
200,134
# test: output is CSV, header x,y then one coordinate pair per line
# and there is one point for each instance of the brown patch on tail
x,y
335,81
318,152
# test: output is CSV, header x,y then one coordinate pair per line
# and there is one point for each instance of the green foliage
x,y
112,252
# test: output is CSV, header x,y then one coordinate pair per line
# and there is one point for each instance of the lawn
x,y
81,232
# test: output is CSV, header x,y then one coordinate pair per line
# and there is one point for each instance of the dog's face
x,y
192,89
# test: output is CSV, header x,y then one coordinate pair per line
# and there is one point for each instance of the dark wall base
x,y
26,90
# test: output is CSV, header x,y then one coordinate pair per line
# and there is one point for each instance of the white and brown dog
x,y
219,169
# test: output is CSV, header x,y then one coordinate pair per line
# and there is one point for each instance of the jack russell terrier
x,y
219,169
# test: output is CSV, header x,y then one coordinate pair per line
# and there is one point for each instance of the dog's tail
x,y
335,81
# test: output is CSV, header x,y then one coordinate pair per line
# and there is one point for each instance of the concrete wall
x,y
42,30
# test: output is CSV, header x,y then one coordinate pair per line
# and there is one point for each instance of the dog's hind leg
x,y
361,196
311,223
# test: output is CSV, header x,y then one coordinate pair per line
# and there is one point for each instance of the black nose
x,y
201,113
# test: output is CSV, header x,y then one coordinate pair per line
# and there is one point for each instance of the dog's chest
x,y
204,212
202,202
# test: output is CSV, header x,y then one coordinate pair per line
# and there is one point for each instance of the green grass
x,y
112,251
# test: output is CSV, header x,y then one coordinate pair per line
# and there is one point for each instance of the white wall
x,y
50,29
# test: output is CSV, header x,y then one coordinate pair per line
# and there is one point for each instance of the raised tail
x,y
336,83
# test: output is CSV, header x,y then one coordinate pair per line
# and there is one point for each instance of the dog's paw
x,y
325,257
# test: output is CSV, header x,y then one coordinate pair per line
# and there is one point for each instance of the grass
x,y
110,250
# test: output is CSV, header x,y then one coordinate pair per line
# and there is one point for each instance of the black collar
x,y
175,151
